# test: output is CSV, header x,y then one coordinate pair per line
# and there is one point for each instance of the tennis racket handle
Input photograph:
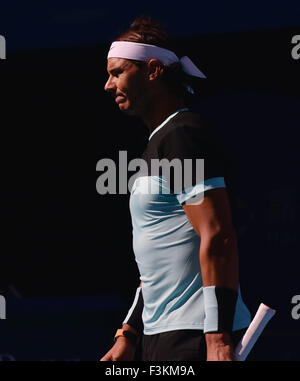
x,y
260,320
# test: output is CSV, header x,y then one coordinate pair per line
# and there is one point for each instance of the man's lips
x,y
120,99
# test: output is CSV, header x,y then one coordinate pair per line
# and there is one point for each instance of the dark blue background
x,y
33,24
68,270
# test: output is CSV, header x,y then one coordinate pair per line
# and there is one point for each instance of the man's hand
x,y
123,350
219,347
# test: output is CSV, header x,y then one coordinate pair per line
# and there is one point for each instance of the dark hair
x,y
146,30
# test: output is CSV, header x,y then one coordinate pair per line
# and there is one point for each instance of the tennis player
x,y
188,305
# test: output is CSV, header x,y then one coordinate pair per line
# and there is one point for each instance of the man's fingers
x,y
107,357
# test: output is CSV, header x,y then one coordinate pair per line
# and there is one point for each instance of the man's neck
x,y
159,111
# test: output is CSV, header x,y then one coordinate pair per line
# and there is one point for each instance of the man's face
x,y
127,84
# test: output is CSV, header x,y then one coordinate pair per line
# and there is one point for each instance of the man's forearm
x,y
134,316
219,269
219,260
130,328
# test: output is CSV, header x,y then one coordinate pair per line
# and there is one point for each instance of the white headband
x,y
142,52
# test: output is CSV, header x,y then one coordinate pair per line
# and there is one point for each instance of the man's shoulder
x,y
190,117
189,125
185,133
177,125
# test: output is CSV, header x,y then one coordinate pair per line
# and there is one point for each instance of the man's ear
x,y
155,68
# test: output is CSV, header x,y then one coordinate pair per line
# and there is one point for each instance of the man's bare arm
x,y
211,219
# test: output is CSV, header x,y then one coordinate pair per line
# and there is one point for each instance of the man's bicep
x,y
212,214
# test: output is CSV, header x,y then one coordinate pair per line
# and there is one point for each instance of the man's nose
x,y
109,86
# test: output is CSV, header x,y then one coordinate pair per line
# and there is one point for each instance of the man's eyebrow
x,y
120,67
115,69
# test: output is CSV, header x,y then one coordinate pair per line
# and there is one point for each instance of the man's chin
x,y
126,108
